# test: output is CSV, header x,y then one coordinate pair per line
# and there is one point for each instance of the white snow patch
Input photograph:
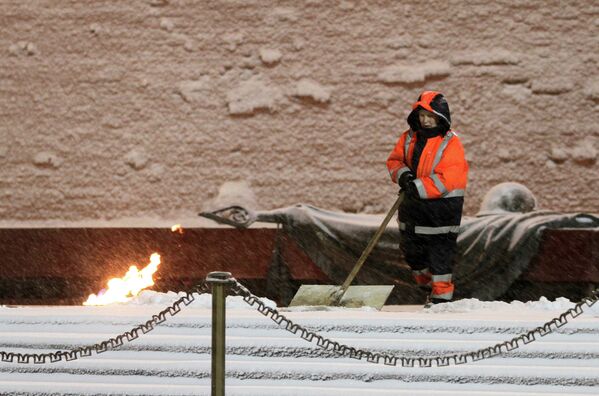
x,y
402,74
520,93
585,154
486,57
311,308
150,297
271,361
584,220
561,304
310,88
233,193
516,77
437,68
136,159
270,56
195,90
253,94
46,159
409,74
558,155
187,220
552,86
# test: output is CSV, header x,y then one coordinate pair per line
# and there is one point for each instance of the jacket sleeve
x,y
396,163
450,176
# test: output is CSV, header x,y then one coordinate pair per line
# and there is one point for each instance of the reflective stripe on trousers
x,y
422,277
442,287
431,230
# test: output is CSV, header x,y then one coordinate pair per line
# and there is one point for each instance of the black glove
x,y
405,179
411,190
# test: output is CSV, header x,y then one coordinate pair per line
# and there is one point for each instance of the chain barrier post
x,y
219,281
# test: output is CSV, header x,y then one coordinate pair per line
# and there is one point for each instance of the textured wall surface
x,y
147,107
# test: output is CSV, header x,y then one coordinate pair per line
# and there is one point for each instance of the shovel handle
x,y
371,244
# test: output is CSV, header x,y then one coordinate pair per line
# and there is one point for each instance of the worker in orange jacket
x,y
429,165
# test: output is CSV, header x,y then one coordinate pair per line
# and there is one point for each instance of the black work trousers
x,y
435,252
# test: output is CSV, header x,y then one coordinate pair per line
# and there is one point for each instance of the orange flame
x,y
125,288
177,228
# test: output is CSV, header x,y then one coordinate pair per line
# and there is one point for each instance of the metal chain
x,y
392,360
307,335
111,343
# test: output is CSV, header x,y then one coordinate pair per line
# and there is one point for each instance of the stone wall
x,y
146,108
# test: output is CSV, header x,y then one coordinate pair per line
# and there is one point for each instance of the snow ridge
x,y
263,359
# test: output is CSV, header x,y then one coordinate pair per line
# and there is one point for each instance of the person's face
x,y
427,119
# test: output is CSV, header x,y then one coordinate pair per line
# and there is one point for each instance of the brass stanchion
x,y
219,282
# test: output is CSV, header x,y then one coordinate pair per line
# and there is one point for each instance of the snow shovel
x,y
346,295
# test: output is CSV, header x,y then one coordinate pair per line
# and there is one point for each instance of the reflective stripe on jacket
x,y
442,170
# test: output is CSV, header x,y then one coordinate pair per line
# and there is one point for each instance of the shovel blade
x,y
314,295
354,297
366,296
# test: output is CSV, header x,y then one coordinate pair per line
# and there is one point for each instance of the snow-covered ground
x,y
263,359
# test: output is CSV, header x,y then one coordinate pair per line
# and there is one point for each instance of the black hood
x,y
435,103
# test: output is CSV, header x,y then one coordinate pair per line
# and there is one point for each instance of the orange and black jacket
x,y
437,159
